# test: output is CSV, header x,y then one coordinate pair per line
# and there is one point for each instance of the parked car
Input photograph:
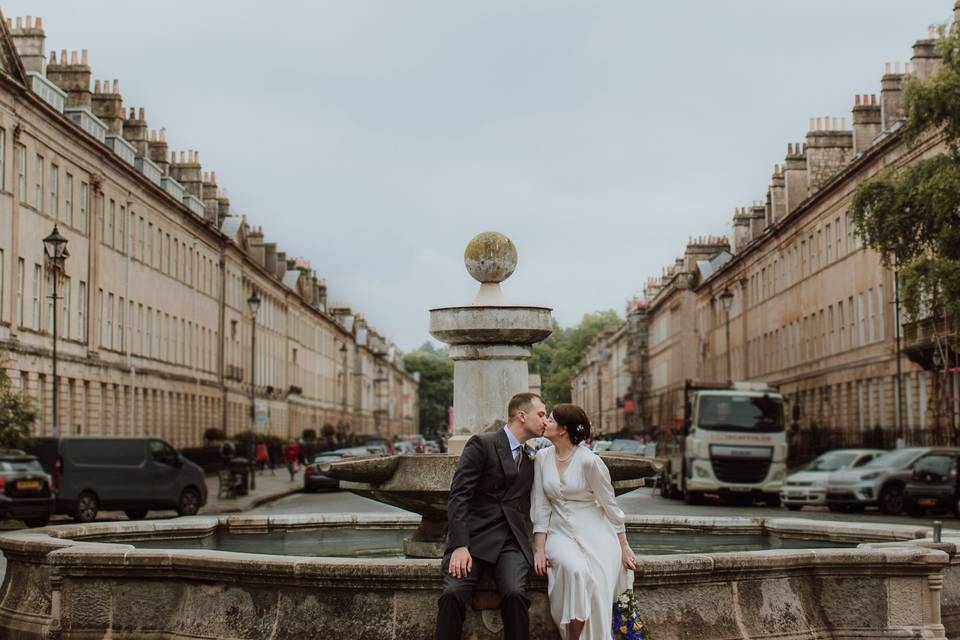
x,y
808,487
26,491
134,475
933,484
878,483
314,479
431,446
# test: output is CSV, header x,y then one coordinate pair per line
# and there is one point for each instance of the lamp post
x,y
343,405
254,303
55,247
901,427
726,298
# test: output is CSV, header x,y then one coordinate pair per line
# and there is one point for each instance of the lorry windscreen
x,y
741,413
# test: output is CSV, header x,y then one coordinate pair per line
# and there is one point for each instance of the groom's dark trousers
x,y
489,513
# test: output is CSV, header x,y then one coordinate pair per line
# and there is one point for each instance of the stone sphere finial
x,y
490,257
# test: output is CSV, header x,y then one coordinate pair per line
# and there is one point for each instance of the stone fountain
x,y
491,342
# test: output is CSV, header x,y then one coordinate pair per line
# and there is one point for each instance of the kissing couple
x,y
579,543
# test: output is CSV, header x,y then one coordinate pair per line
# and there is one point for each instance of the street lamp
x,y
726,298
55,247
254,303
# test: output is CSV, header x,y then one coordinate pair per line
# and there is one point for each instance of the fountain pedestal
x,y
490,344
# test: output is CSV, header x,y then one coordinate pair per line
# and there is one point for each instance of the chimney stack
x,y
891,101
72,77
157,151
135,132
926,60
867,122
829,149
778,195
29,43
223,206
187,171
741,229
107,104
210,203
255,242
270,257
795,176
758,220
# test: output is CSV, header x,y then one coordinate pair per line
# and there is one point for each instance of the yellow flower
x,y
623,629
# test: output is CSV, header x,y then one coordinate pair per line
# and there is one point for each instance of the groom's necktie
x,y
519,458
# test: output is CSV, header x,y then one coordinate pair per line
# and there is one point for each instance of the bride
x,y
579,540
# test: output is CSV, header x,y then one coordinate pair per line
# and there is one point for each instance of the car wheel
x,y
39,521
87,507
189,503
136,514
794,507
692,497
891,499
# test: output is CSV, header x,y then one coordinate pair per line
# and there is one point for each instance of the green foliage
x,y
16,414
910,215
558,357
436,385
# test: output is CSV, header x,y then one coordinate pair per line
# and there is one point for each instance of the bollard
x,y
937,530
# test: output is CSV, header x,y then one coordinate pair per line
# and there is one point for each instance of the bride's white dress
x,y
580,516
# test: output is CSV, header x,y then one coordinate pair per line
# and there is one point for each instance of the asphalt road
x,y
641,501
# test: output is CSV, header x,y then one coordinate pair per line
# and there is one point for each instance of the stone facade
x,y
155,329
812,310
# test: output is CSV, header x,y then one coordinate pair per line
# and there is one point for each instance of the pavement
x,y
270,486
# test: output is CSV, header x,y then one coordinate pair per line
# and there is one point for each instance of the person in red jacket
x,y
262,455
290,454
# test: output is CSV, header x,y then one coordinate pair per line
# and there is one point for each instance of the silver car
x,y
878,483
808,487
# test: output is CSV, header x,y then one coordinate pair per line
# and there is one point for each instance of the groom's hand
x,y
460,563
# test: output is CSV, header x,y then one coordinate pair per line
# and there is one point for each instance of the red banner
x,y
629,406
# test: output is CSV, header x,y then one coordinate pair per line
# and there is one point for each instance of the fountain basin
x,y
67,582
500,325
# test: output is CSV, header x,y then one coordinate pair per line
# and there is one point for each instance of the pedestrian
x,y
274,455
262,455
291,453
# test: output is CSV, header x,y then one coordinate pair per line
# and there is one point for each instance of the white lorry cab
x,y
733,444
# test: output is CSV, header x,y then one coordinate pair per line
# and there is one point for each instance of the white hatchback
x,y
809,485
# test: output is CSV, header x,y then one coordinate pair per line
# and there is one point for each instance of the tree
x,y
436,385
16,414
911,214
558,358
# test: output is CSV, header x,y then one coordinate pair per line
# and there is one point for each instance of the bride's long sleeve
x,y
539,504
598,479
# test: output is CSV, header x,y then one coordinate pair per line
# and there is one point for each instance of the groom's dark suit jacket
x,y
490,498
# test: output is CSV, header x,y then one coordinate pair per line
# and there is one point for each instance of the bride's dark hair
x,y
574,420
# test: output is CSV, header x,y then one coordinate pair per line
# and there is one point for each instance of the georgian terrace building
x,y
812,308
155,332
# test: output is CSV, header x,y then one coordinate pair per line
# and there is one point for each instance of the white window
x,y
121,239
100,319
831,321
871,319
836,226
108,237
140,329
65,309
829,244
50,300
140,246
149,258
68,200
38,182
22,172
843,324
908,395
852,335
131,233
21,269
881,307
149,333
54,190
109,321
120,324
82,309
83,207
37,279
863,319
922,398
849,225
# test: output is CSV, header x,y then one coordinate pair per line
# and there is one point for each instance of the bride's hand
x,y
627,557
540,562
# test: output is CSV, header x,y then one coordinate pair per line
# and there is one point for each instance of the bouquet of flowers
x,y
627,624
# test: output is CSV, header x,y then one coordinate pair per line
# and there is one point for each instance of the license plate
x,y
740,489
927,502
25,485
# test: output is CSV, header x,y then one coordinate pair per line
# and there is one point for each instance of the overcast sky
x,y
376,138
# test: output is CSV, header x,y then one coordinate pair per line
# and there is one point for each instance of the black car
x,y
933,484
313,478
25,489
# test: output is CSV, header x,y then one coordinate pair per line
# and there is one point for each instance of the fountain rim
x,y
473,307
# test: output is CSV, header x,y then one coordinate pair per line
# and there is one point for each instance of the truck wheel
x,y
692,497
891,499
87,507
189,503
772,500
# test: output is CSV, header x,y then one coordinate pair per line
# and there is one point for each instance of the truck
x,y
733,444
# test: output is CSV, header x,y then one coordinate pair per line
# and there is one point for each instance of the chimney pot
x,y
873,99
141,114
19,22
10,24
163,134
181,157
213,177
886,68
53,57
39,23
74,58
173,157
843,124
856,100
29,23
63,56
84,57
96,86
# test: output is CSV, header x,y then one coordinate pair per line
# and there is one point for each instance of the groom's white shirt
x,y
515,445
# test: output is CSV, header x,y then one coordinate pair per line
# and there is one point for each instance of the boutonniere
x,y
531,453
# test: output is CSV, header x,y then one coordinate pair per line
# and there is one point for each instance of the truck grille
x,y
742,470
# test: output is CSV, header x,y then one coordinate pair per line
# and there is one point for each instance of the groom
x,y
489,521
